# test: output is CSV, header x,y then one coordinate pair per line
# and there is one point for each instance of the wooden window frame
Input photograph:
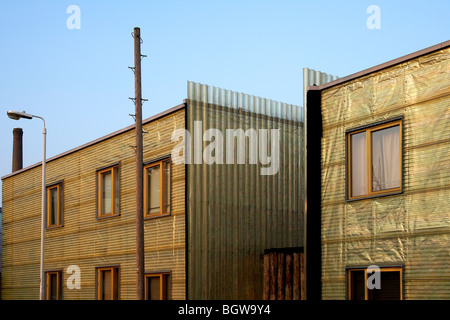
x,y
368,130
164,282
58,284
366,290
59,205
99,281
115,170
161,194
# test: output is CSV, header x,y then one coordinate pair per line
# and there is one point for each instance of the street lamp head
x,y
16,115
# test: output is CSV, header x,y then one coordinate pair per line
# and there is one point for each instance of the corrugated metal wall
x,y
234,212
83,240
313,77
411,229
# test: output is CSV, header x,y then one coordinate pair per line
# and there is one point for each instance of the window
x,y
54,205
108,283
53,285
390,286
157,188
108,192
374,160
157,286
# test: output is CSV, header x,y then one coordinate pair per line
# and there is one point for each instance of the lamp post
x,y
16,115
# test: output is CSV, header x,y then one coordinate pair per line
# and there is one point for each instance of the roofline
x,y
379,67
108,136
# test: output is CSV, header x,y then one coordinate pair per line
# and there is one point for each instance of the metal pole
x,y
16,116
139,169
44,209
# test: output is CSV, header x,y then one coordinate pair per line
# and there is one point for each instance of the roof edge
x,y
382,66
108,136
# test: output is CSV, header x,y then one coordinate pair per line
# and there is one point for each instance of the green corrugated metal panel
x,y
234,212
410,229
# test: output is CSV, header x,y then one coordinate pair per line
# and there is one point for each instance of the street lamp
x,y
16,115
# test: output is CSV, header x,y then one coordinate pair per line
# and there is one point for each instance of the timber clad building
x,y
224,220
90,220
207,226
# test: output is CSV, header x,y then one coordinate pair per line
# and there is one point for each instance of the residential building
x,y
380,156
222,185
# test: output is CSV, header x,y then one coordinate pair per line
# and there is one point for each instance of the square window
x,y
157,286
375,160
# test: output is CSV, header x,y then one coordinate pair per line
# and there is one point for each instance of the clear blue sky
x,y
80,82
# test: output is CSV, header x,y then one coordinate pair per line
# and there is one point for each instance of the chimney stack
x,y
17,158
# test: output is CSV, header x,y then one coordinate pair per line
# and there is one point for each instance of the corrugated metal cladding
x,y
234,211
313,77
411,229
84,240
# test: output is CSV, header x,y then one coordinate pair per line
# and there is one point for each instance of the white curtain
x,y
358,164
386,165
106,193
154,189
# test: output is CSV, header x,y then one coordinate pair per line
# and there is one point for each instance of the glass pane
x,y
357,285
154,286
166,287
106,192
115,284
166,186
153,189
53,286
53,206
386,163
106,285
358,164
389,287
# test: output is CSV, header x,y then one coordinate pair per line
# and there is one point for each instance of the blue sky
x,y
79,81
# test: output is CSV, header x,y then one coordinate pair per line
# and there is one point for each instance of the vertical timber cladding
x,y
284,274
84,240
235,212
411,229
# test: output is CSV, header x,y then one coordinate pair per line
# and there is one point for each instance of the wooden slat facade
x,y
84,240
284,274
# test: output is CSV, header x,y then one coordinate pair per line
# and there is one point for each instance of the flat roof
x,y
382,66
113,134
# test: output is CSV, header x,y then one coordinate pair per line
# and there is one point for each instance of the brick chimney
x,y
17,158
